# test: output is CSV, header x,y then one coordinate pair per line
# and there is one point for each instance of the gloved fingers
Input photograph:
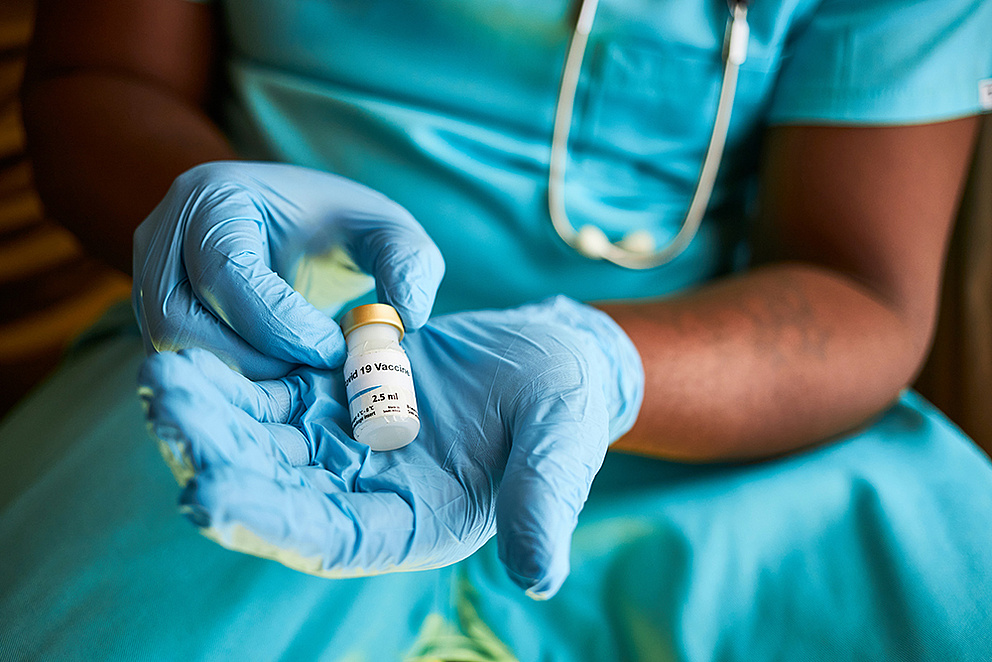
x,y
229,271
338,534
177,320
268,401
272,402
292,442
389,244
189,413
170,315
557,448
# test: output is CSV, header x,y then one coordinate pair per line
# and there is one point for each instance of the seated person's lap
x,y
877,544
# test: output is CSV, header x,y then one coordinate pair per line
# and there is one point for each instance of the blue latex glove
x,y
517,410
215,264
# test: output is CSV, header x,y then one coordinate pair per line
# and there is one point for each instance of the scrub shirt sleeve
x,y
887,62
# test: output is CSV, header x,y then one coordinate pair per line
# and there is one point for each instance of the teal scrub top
x,y
874,547
447,107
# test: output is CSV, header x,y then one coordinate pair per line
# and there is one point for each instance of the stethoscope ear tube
x,y
636,252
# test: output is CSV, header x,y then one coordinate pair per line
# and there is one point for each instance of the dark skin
x,y
836,320
815,341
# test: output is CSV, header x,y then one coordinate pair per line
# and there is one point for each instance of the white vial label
x,y
380,390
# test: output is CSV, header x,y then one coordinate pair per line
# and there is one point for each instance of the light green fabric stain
x,y
648,636
470,640
441,641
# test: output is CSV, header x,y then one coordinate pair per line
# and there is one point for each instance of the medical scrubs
x,y
875,546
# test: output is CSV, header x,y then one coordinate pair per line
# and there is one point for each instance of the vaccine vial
x,y
377,378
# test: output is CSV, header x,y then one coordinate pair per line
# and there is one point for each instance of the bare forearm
x,y
775,360
105,149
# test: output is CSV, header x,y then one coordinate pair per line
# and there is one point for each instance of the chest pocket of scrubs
x,y
648,99
648,113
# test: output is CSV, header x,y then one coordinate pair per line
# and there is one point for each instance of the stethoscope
x,y
637,249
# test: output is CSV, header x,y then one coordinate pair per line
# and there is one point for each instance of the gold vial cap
x,y
373,313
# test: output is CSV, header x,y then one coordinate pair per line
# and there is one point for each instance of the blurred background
x,y
50,290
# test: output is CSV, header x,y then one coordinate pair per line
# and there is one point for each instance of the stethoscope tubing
x,y
590,240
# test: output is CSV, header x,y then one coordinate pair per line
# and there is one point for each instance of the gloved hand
x,y
216,262
517,410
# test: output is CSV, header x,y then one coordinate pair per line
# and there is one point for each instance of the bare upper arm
x,y
165,43
875,204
